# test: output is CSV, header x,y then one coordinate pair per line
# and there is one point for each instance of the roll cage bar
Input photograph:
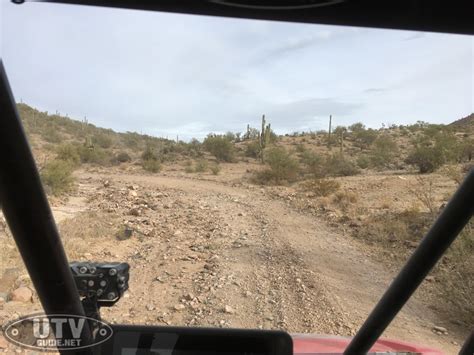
x,y
29,215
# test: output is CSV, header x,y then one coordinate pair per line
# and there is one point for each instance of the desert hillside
x,y
301,232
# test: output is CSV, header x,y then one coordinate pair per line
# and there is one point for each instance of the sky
x,y
169,74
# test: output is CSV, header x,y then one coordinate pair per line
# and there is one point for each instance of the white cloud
x,y
168,74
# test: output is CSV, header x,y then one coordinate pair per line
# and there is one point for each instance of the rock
x,y
179,307
8,279
441,330
134,212
124,233
411,244
229,310
189,297
177,233
21,294
3,343
106,183
430,278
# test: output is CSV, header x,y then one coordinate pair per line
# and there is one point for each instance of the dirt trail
x,y
281,269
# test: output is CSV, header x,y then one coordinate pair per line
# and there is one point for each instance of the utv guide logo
x,y
55,332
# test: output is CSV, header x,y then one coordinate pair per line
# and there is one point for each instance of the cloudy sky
x,y
167,74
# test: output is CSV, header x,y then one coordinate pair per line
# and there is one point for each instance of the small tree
x,y
282,166
57,176
338,165
150,161
384,151
220,147
426,158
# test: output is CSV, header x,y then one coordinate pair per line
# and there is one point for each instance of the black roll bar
x,y
444,231
468,347
29,216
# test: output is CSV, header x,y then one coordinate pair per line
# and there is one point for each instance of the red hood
x,y
321,344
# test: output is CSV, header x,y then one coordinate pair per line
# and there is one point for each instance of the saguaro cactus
x,y
264,137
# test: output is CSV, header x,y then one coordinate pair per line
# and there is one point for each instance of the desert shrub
x,y
102,140
338,165
365,138
201,166
357,127
230,136
51,135
363,161
151,165
123,157
69,153
194,148
300,148
400,232
252,149
431,153
345,197
427,159
57,176
384,151
314,164
131,140
149,154
467,149
282,167
94,155
150,161
220,147
321,187
215,169
188,167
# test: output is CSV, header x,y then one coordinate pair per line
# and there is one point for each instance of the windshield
x,y
254,174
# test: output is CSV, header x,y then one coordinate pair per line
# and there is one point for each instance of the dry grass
x,y
78,233
321,187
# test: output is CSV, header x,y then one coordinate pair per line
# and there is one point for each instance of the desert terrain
x,y
215,244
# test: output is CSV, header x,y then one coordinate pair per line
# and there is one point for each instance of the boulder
x,y
21,294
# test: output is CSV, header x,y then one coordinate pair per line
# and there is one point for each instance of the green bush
x,y
432,151
215,169
384,151
201,166
426,158
282,167
150,161
102,140
94,155
338,165
364,138
314,164
149,154
151,165
363,161
252,149
123,157
220,147
69,153
50,134
57,176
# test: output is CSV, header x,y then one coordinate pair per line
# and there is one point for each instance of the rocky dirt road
x,y
207,253
233,256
